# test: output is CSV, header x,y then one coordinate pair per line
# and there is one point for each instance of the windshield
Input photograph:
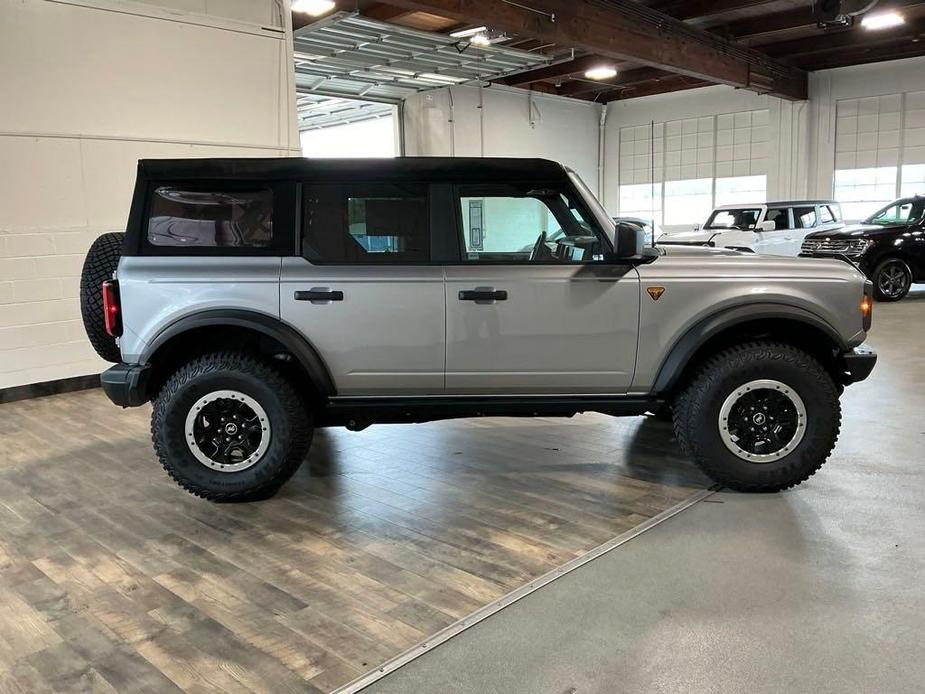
x,y
743,218
899,212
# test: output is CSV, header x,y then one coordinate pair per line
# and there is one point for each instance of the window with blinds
x,y
693,164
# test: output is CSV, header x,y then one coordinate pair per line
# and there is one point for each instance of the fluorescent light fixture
x,y
466,33
480,39
601,72
313,8
882,20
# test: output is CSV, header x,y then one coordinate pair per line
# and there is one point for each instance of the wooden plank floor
x,y
114,579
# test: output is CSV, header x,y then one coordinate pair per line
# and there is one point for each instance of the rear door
x,y
805,221
364,291
530,307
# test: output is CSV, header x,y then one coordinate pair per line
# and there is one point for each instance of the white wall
x,y
504,122
88,87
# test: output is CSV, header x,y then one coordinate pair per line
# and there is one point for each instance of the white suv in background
x,y
774,228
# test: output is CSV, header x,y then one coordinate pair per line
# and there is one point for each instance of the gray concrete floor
x,y
820,589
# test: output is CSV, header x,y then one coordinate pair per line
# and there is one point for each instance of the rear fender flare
x,y
268,325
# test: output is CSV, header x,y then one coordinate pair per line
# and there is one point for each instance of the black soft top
x,y
474,169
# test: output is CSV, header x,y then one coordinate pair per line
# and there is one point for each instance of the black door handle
x,y
319,295
483,296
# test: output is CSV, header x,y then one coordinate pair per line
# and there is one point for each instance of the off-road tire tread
x,y
298,422
690,400
99,264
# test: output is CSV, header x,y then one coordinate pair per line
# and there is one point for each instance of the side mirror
x,y
767,225
630,240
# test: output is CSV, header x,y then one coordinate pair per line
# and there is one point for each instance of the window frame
x,y
431,194
283,243
564,187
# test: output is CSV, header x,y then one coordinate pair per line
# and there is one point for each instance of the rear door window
x,y
180,217
804,217
375,223
825,215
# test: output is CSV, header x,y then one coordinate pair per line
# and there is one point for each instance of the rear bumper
x,y
857,363
126,384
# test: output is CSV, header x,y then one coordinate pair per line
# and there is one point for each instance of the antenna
x,y
652,178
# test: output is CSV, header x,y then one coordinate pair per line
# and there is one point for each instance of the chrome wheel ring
x,y
762,421
227,431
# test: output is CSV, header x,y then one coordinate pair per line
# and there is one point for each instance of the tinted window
x,y
780,216
745,218
376,223
508,223
210,219
900,212
804,217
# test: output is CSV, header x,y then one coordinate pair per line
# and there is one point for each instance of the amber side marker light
x,y
867,310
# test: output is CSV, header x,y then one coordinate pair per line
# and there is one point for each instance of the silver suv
x,y
254,300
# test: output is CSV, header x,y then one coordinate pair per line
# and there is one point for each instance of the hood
x,y
698,251
856,231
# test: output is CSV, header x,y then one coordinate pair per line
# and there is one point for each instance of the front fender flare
x,y
695,337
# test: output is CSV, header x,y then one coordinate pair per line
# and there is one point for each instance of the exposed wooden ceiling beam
x,y
624,30
569,67
624,78
675,83
755,27
700,9
845,39
385,12
861,55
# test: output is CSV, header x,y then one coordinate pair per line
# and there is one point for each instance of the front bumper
x,y
126,384
857,363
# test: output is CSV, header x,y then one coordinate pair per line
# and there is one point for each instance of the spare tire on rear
x,y
100,263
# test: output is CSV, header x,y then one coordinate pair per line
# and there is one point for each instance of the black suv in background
x,y
888,247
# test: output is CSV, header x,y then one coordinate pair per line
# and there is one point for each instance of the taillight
x,y
867,306
112,310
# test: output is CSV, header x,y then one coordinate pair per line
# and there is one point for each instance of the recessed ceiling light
x,y
601,72
313,8
882,20
466,33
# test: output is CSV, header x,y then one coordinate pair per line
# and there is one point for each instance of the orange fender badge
x,y
655,292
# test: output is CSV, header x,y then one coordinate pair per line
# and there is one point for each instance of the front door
x,y
364,294
530,307
779,240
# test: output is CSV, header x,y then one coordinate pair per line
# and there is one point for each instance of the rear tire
x,y
248,457
99,265
776,389
892,280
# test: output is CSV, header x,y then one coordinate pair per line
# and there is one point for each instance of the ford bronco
x,y
253,300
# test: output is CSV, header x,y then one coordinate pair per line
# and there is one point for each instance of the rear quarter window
x,y
183,217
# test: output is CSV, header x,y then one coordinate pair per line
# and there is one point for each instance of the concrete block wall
x,y
88,87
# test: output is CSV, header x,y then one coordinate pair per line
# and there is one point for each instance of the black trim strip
x,y
56,387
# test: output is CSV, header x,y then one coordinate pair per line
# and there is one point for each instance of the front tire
x,y
892,280
759,417
229,427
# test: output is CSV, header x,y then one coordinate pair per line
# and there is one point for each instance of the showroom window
x,y
363,224
182,218
862,192
642,200
519,225
739,190
688,202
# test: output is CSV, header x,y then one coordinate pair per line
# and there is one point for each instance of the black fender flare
x,y
263,323
687,345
